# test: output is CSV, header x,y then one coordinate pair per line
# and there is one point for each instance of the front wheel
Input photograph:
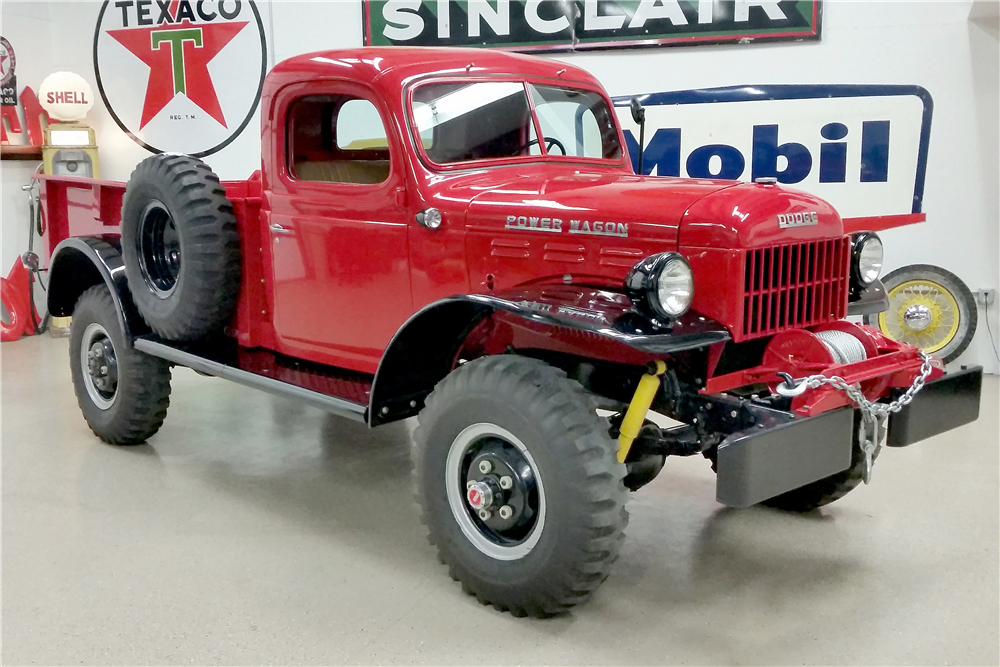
x,y
122,392
519,485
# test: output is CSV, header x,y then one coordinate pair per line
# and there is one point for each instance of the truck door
x,y
338,238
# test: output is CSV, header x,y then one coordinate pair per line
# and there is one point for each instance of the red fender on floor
x,y
14,292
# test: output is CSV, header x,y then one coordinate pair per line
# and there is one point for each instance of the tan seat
x,y
343,171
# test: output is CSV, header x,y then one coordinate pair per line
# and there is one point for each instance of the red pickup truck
x,y
459,235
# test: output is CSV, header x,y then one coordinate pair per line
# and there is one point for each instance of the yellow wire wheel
x,y
928,307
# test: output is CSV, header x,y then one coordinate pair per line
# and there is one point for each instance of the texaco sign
x,y
180,75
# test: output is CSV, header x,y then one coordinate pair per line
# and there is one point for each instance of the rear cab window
x,y
337,139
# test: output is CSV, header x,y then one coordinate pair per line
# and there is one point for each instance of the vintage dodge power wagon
x,y
458,235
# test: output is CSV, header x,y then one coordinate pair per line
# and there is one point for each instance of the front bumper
x,y
757,464
943,404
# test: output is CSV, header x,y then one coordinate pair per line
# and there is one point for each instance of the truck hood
x,y
758,215
595,203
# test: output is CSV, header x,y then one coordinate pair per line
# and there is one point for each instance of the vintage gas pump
x,y
69,147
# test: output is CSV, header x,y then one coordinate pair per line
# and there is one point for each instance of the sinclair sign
x,y
567,25
180,75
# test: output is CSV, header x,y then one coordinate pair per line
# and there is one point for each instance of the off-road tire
x,y
829,489
967,312
143,390
200,298
584,496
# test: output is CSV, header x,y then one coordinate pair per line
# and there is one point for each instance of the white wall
x,y
932,44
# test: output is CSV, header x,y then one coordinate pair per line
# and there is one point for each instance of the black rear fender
x,y
78,264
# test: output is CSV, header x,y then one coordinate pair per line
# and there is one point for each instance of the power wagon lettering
x,y
534,223
596,228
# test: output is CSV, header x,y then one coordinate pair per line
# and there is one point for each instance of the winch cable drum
x,y
845,348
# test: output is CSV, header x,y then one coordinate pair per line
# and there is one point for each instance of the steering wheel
x,y
549,143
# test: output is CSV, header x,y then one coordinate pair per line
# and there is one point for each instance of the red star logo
x,y
178,55
3,63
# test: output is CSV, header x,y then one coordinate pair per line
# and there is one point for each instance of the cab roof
x,y
389,67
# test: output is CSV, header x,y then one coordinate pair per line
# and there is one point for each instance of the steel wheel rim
x,y
159,249
96,336
463,451
945,314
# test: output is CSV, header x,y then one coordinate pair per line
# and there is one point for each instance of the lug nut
x,y
506,482
471,483
485,515
104,370
506,512
485,466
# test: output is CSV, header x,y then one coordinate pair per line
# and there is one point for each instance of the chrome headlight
x,y
662,285
866,257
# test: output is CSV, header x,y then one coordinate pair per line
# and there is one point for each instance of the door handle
x,y
278,229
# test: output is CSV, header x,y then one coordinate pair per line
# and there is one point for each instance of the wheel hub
x,y
480,495
499,486
917,317
497,496
159,249
99,363
103,365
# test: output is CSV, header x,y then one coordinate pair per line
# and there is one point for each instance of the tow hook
x,y
790,388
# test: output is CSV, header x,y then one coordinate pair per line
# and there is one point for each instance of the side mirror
x,y
638,111
639,116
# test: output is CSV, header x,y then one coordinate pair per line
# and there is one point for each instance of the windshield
x,y
458,122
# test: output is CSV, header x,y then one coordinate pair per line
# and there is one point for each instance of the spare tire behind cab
x,y
181,247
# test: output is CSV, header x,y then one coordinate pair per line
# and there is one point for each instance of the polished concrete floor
x,y
255,530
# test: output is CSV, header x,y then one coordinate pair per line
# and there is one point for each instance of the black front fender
x,y
78,264
423,351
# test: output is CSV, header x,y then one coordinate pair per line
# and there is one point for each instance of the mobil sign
x,y
863,148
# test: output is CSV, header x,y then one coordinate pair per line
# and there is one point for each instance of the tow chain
x,y
874,415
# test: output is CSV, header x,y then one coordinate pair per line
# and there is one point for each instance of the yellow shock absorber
x,y
637,409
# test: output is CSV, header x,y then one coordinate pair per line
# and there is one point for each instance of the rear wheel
x,y
519,485
122,392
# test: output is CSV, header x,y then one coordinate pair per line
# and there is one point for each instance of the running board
x,y
229,370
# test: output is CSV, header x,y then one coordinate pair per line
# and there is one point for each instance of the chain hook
x,y
790,388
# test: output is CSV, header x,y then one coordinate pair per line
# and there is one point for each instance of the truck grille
x,y
794,286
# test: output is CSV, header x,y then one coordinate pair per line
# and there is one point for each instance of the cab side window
x,y
337,139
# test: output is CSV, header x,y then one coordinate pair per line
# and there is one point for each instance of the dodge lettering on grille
x,y
786,220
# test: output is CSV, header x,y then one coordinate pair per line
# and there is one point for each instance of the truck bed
x,y
77,206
